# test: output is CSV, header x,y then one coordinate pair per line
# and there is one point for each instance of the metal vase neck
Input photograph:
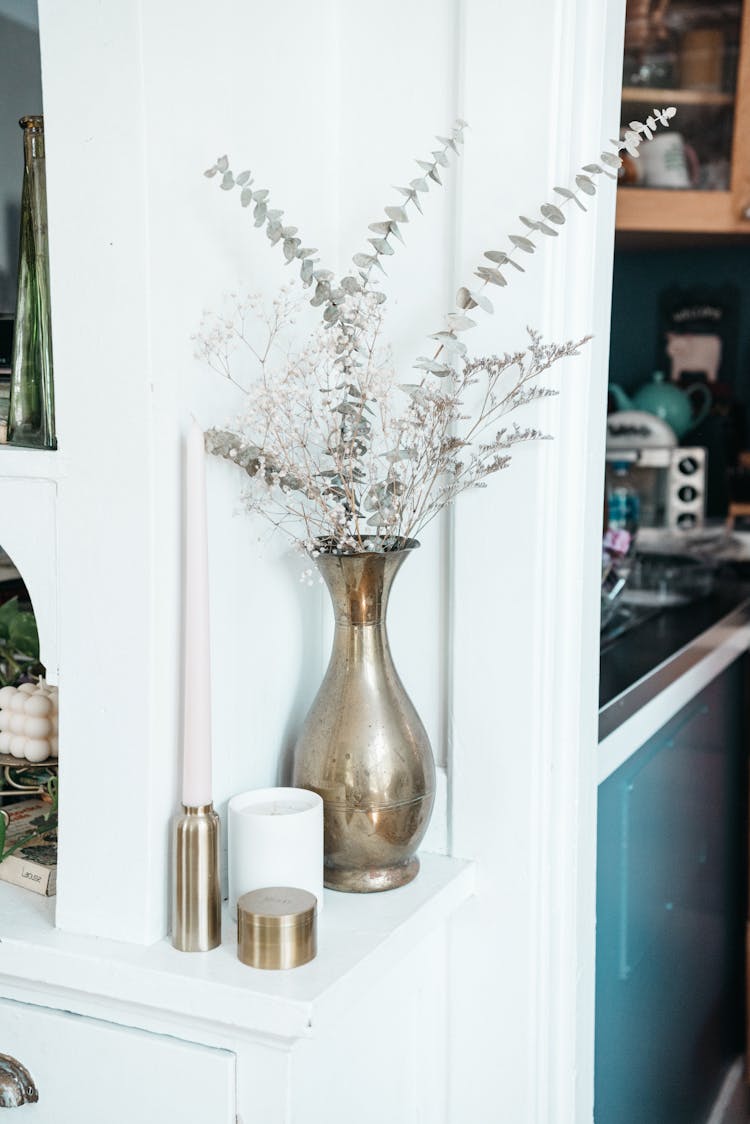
x,y
360,584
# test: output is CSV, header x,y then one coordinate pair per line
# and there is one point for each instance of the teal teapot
x,y
682,410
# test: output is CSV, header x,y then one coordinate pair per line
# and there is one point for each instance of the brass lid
x,y
32,121
276,927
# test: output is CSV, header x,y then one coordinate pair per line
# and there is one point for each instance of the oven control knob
x,y
686,521
688,493
688,465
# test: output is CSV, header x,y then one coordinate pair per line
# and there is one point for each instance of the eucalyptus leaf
x,y
290,250
587,185
305,252
530,224
593,169
397,233
382,245
433,366
262,195
351,285
259,213
420,185
274,214
482,301
227,181
416,392
493,276
552,213
306,272
222,163
565,192
211,172
459,323
441,158
522,243
433,174
289,231
242,178
498,256
544,229
425,166
463,297
246,197
397,214
364,260
610,159
379,227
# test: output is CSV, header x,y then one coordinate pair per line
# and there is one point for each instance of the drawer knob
x,y
16,1084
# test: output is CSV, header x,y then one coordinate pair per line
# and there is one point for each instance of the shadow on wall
x,y
9,238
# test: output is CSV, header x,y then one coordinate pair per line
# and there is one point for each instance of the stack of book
x,y
33,866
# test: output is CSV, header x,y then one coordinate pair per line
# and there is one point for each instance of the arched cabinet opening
x,y
28,699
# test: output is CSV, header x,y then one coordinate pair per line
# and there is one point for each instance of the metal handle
x,y
16,1084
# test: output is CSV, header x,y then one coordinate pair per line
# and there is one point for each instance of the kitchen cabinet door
x,y
695,56
670,915
92,1072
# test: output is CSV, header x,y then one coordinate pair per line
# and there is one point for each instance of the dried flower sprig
x,y
341,464
338,457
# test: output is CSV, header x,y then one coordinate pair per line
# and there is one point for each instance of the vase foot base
x,y
371,880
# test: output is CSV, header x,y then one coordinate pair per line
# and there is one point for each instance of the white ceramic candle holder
x,y
275,839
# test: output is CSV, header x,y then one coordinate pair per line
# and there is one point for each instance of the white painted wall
x,y
494,621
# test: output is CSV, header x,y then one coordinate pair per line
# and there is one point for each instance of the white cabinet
x,y
87,1071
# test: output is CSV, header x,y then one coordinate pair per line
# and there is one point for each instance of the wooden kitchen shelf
x,y
656,96
679,211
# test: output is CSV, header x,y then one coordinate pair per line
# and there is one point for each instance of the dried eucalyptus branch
x,y
342,455
550,216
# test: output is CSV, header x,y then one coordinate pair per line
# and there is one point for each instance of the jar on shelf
x,y
31,414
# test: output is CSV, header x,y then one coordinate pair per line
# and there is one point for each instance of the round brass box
x,y
276,927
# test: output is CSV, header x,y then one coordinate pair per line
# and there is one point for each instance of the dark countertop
x,y
641,649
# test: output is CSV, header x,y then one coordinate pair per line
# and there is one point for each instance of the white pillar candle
x,y
196,739
275,839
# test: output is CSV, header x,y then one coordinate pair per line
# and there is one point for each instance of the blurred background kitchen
x,y
678,460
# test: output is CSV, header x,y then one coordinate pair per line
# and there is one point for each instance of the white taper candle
x,y
196,776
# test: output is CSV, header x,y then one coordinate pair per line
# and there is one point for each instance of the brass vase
x,y
363,747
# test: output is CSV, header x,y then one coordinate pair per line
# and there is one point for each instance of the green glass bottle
x,y
31,415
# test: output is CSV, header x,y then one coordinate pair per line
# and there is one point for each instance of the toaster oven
x,y
671,484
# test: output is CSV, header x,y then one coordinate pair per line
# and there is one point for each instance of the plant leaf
x,y
397,214
493,276
222,163
459,323
522,243
497,256
553,213
586,184
484,302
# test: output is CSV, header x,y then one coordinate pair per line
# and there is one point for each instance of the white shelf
x,y
30,464
359,937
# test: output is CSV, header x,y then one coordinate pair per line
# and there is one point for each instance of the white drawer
x,y
92,1072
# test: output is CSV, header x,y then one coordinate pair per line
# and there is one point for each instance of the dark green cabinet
x,y
671,904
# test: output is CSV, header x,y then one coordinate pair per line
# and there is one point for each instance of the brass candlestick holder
x,y
196,915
